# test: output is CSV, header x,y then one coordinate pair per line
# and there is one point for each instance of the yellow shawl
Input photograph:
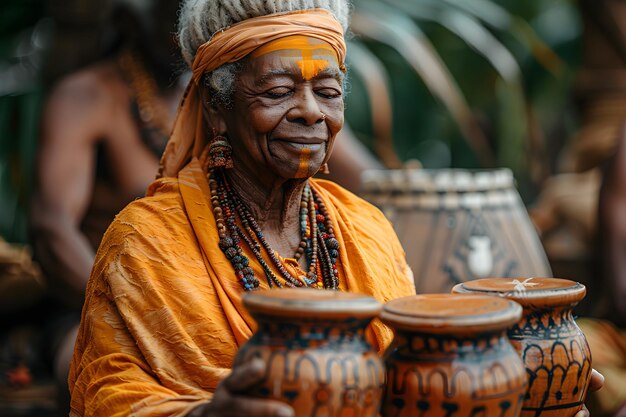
x,y
163,318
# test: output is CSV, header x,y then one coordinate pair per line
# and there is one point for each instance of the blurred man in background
x,y
607,339
103,130
581,213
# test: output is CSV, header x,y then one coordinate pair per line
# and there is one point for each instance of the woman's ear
x,y
213,113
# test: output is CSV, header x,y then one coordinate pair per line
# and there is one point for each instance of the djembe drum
x,y
458,225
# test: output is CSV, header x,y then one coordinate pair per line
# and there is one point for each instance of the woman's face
x,y
287,109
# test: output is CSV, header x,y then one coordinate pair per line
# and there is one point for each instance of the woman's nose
x,y
306,109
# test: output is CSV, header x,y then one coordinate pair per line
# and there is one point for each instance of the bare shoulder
x,y
83,102
85,85
87,91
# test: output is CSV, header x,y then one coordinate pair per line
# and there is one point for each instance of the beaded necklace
x,y
152,114
317,244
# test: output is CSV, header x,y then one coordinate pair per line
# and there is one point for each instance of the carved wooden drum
x,y
553,348
458,225
451,357
317,358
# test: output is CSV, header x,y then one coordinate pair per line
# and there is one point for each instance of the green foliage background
x,y
20,104
424,130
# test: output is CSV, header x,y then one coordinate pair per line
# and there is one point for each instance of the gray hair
x,y
200,19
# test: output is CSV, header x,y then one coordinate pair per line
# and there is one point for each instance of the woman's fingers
x,y
252,407
245,376
225,405
582,413
231,396
597,380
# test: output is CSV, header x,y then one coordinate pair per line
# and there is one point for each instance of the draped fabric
x,y
190,132
163,317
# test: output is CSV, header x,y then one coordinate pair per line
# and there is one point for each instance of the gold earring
x,y
324,169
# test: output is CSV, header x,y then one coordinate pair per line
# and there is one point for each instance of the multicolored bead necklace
x,y
317,244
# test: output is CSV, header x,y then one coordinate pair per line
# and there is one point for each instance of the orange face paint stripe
x,y
297,42
303,165
309,67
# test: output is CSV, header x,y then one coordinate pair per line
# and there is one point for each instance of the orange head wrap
x,y
189,135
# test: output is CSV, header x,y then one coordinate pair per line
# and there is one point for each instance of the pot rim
x,y
534,292
310,303
453,314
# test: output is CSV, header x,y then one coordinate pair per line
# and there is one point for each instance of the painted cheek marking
x,y
303,165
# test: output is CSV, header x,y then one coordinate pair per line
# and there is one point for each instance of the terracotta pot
x,y
553,348
451,357
317,358
458,225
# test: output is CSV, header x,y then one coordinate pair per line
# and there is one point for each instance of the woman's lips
x,y
299,144
302,141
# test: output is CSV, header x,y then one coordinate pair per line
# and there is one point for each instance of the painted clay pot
x,y
553,348
458,225
451,357
313,344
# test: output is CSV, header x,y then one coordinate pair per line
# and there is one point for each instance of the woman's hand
x,y
597,381
230,399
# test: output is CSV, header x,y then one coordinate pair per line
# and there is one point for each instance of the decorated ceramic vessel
x,y
553,348
451,357
468,224
317,359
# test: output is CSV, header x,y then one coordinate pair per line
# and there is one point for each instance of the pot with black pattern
x,y
552,346
316,355
451,357
457,225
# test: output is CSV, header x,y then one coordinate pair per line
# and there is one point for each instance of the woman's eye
x,y
278,92
329,92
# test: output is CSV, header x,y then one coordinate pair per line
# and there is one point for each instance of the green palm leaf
x,y
400,33
374,75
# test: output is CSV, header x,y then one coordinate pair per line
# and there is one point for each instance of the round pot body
x,y
451,358
458,225
552,346
316,355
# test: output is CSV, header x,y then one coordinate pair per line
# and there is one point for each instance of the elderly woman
x,y
234,210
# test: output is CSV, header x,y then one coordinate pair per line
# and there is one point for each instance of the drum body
x,y
458,225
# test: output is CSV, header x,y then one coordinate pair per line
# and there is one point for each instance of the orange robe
x,y
163,317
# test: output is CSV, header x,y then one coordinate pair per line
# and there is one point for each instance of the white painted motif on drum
x,y
480,259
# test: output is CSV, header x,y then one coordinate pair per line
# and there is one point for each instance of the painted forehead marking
x,y
302,46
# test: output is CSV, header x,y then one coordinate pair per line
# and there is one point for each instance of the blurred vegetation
x,y
23,39
513,63
452,83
